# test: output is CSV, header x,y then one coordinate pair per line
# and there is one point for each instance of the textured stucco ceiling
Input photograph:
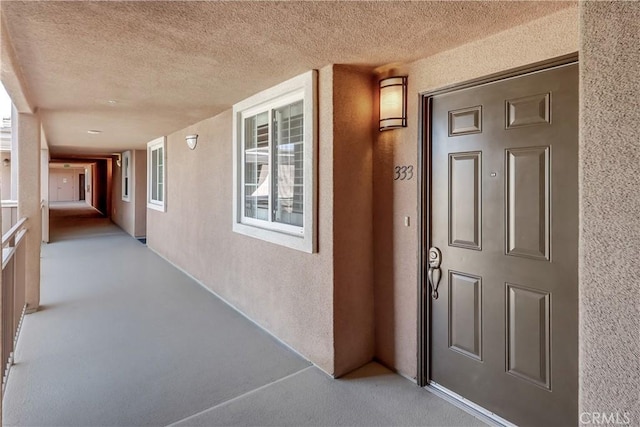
x,y
170,64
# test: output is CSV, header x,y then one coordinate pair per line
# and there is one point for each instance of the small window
x,y
126,176
156,167
274,164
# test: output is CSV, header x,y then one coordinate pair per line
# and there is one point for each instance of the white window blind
x,y
274,177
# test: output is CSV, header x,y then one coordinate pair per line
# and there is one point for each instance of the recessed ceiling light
x,y
94,132
112,101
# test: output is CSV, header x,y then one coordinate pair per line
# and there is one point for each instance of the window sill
x,y
155,207
301,243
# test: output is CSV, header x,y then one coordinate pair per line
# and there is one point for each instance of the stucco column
x,y
609,207
44,191
29,202
13,195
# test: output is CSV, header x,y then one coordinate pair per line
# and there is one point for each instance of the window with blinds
x,y
274,183
288,189
274,165
156,174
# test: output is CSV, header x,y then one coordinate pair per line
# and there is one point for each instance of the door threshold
x,y
468,406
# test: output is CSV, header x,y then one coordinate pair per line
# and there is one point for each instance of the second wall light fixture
x,y
192,141
393,103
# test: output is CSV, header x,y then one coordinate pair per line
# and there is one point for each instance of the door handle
x,y
434,274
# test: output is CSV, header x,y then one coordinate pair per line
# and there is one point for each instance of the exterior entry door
x,y
65,187
504,216
61,187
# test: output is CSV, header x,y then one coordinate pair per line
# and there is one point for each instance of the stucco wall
x,y
287,292
29,202
396,246
352,220
88,184
52,183
131,216
122,213
5,176
610,209
139,162
102,185
320,304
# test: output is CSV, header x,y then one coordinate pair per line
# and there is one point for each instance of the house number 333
x,y
403,173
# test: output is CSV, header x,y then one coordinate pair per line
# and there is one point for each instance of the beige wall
x,y
44,187
352,220
139,162
294,295
609,210
396,246
131,216
122,213
55,173
88,184
29,152
5,175
287,292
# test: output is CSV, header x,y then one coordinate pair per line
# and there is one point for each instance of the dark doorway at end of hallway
x,y
81,186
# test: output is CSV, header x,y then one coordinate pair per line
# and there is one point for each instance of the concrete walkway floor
x,y
125,339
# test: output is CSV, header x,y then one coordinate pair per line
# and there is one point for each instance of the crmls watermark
x,y
604,418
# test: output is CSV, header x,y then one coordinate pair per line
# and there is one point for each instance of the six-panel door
x,y
505,217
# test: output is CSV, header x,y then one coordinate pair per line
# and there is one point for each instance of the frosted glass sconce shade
x,y
393,103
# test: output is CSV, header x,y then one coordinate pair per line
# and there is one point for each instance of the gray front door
x,y
504,214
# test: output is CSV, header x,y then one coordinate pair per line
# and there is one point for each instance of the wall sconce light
x,y
6,162
118,159
393,103
192,141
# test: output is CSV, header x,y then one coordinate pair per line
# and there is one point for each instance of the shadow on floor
x,y
77,220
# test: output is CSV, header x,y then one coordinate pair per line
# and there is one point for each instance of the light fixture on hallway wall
x,y
393,103
118,159
192,141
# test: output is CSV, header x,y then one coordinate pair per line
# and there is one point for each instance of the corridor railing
x,y
13,303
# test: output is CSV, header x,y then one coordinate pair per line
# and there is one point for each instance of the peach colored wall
x,y
139,162
352,219
54,175
29,202
320,304
131,216
609,206
5,176
88,184
395,245
288,292
122,213
102,185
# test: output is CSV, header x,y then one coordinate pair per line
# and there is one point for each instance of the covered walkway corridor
x,y
123,338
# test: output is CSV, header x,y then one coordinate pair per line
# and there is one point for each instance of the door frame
x,y
424,195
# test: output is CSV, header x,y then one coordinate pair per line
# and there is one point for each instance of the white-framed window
x,y
156,174
126,176
274,161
